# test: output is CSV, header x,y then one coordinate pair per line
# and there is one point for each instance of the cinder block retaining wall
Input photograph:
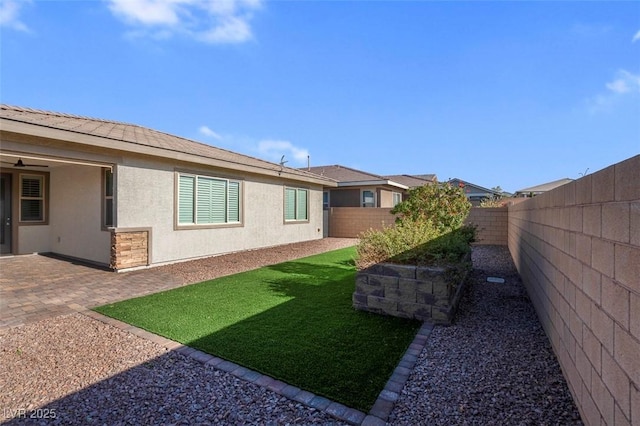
x,y
422,293
577,249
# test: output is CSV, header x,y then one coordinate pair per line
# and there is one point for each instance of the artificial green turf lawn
x,y
293,321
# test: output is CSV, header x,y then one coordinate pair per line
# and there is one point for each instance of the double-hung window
x,y
296,204
206,200
32,198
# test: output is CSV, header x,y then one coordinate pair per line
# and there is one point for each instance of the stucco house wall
x,y
73,153
76,216
146,199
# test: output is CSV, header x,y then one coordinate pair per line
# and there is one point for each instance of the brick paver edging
x,y
378,414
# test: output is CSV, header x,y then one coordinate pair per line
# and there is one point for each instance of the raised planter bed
x,y
420,292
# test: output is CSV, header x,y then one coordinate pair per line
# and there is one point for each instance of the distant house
x,y
356,188
542,188
475,193
414,181
127,196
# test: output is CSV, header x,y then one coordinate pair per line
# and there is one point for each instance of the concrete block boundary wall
x,y
350,222
577,249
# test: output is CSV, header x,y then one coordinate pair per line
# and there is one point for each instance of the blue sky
x,y
495,93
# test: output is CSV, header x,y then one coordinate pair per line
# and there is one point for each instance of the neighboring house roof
x,y
413,181
472,189
133,138
544,187
430,177
346,176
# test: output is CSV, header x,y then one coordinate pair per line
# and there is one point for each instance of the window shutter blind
x,y
218,201
302,205
31,187
289,204
31,210
32,199
211,201
234,201
186,186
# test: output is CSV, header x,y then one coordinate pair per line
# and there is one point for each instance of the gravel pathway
x,y
494,366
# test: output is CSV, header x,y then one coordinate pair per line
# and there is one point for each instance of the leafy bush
x,y
492,202
428,230
377,246
445,206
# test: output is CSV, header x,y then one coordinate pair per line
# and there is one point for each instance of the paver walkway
x,y
36,287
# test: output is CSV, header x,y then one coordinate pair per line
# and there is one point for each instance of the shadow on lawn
x,y
316,340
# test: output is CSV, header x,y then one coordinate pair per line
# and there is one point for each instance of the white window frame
x,y
298,214
41,197
233,202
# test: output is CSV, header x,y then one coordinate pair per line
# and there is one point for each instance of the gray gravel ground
x,y
78,371
494,366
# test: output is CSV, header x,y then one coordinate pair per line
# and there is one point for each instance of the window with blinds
x,y
205,200
296,204
31,198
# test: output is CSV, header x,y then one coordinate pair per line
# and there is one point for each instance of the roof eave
x,y
34,130
373,183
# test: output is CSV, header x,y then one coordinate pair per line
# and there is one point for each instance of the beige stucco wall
x,y
76,213
577,249
34,239
73,215
145,199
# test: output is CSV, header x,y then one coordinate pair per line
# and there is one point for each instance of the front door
x,y
5,213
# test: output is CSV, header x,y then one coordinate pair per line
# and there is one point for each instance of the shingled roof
x,y
544,187
346,176
413,181
133,138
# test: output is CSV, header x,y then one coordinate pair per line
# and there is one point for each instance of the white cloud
x,y
209,21
147,12
229,30
273,150
206,131
624,84
636,37
9,14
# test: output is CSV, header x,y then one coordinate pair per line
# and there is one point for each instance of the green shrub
x,y
445,206
428,230
492,202
377,246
